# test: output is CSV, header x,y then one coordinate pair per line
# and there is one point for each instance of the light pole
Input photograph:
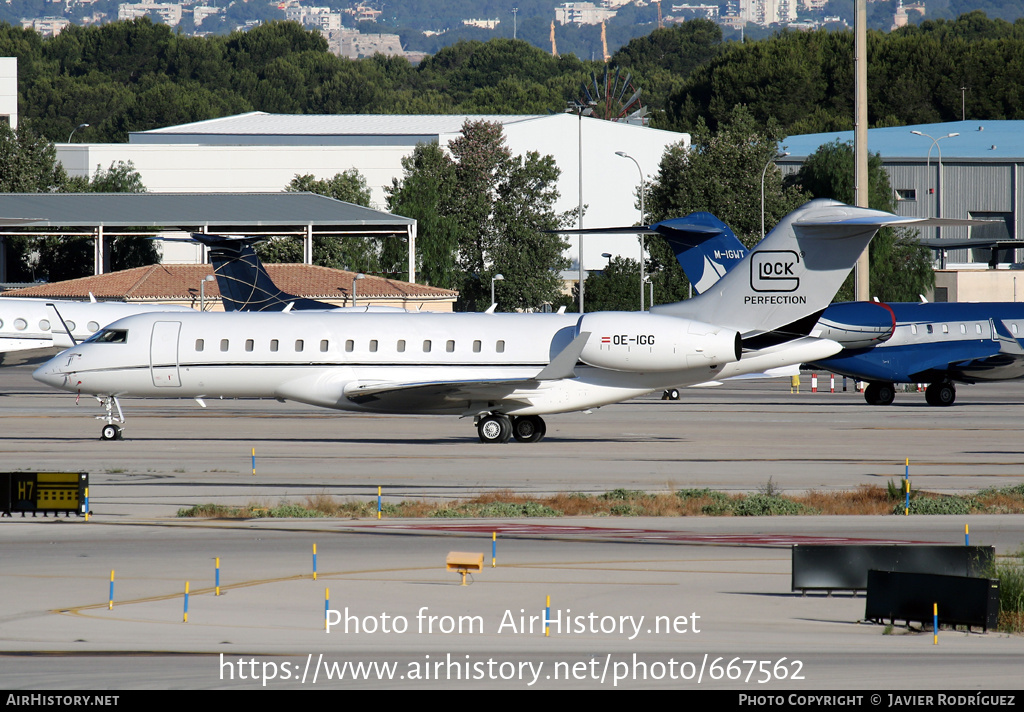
x,y
623,154
202,291
651,284
355,282
579,108
80,126
938,178
763,174
495,278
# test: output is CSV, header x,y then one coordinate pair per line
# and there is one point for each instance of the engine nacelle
x,y
857,325
627,341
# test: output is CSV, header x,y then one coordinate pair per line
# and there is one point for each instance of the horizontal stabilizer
x,y
881,219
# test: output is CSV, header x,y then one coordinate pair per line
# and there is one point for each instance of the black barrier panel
x,y
894,596
43,492
845,567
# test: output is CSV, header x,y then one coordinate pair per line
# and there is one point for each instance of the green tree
x,y
28,164
349,187
424,194
63,258
614,288
483,212
901,268
357,254
662,60
721,173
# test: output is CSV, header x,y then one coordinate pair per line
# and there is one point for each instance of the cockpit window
x,y
112,336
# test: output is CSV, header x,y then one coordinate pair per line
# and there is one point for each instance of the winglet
x,y
59,330
1007,343
564,364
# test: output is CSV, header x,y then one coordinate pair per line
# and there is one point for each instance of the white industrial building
x,y
259,152
9,91
957,169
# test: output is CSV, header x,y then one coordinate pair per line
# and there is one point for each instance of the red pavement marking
x,y
645,534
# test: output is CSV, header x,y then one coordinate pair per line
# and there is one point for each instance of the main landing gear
x,y
500,428
112,430
880,393
938,394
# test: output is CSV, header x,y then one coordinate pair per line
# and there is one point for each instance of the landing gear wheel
x,y
494,429
111,432
670,394
940,394
880,393
528,428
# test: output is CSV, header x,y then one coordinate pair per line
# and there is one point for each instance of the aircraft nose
x,y
51,374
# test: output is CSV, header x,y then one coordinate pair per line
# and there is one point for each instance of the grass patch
x,y
1011,592
769,501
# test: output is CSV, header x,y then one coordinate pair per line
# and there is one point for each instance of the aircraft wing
x,y
1005,361
446,395
442,396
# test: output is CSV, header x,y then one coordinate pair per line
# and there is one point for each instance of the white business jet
x,y
503,370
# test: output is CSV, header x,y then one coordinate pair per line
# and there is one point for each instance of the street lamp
x,y
938,179
763,174
581,110
623,154
647,279
495,278
355,281
80,126
202,291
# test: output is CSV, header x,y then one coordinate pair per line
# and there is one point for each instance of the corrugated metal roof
x,y
194,210
1000,140
264,124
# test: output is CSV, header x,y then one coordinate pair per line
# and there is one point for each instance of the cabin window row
x,y
44,325
930,328
401,346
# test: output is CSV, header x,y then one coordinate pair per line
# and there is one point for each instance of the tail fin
x,y
243,281
705,247
779,289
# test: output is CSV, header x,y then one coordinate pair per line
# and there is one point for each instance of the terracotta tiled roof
x,y
158,282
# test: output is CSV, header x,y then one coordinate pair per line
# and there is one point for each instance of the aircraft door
x,y
163,354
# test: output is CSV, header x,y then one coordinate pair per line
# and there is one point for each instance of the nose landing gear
x,y
111,431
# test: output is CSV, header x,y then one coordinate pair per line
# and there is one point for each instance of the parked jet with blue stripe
x,y
940,344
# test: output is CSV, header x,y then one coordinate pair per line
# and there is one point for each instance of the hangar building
x,y
960,169
260,152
